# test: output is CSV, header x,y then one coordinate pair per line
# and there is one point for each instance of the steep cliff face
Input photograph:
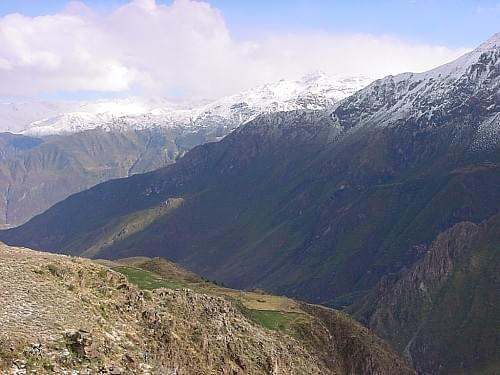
x,y
69,315
443,313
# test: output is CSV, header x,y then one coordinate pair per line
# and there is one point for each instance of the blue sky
x,y
452,23
185,49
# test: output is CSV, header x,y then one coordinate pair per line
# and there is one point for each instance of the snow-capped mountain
x,y
16,117
20,116
312,92
467,89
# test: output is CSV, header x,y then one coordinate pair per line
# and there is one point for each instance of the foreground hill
x,y
444,312
70,315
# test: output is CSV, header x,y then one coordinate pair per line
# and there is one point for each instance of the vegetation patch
x,y
270,319
55,270
275,320
149,280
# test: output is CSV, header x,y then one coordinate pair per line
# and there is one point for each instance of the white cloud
x,y
185,47
495,8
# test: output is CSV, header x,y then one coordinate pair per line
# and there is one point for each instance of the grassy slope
x,y
270,318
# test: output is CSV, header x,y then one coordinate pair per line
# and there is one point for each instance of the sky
x,y
187,49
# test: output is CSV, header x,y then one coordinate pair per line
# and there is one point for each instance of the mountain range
x,y
313,91
385,204
63,148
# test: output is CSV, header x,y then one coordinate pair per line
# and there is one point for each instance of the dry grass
x,y
44,296
69,315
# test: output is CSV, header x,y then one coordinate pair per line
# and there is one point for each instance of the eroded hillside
x,y
69,315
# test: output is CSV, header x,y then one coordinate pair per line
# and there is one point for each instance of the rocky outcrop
x,y
445,306
403,300
68,315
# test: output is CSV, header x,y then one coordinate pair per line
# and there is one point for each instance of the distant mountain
x,y
63,315
35,173
12,145
16,117
319,205
314,91
92,142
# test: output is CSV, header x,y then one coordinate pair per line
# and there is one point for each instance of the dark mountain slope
x,y
207,165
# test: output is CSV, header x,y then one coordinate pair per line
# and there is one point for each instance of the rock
x,y
80,342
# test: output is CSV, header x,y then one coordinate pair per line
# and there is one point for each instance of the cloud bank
x,y
182,50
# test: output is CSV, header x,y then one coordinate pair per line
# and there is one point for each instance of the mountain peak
x,y
491,45
461,65
314,76
429,98
492,42
315,91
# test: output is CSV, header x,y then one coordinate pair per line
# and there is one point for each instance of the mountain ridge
x,y
342,158
87,318
312,92
137,129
